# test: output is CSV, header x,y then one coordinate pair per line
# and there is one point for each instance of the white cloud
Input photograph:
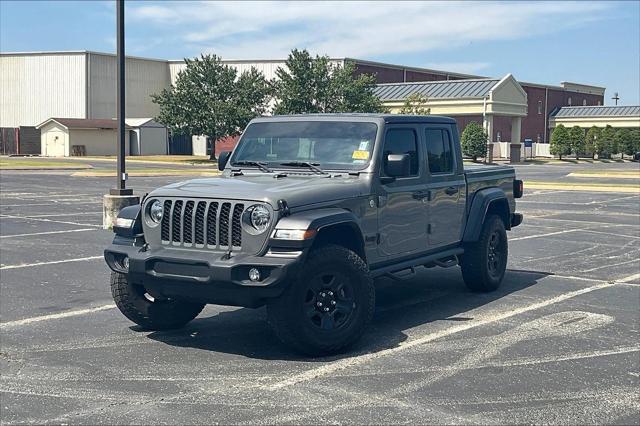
x,y
358,29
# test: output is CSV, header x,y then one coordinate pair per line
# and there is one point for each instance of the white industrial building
x,y
37,86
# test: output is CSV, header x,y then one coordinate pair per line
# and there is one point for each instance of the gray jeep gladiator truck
x,y
308,211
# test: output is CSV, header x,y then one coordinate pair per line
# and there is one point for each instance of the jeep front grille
x,y
210,224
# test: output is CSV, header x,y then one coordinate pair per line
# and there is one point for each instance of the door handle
x,y
419,195
451,190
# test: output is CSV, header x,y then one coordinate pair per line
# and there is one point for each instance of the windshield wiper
x,y
258,164
312,166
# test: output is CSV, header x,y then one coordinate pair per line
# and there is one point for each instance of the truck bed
x,y
479,176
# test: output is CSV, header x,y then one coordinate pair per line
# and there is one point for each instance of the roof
x,y
76,52
84,123
357,117
598,111
138,122
475,88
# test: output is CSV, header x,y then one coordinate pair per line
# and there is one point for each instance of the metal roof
x,y
598,111
84,123
436,89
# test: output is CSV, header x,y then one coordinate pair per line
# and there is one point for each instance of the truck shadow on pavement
x,y
431,295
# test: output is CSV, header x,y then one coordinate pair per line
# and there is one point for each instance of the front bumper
x,y
203,276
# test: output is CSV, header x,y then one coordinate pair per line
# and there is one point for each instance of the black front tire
x,y
150,313
484,262
327,306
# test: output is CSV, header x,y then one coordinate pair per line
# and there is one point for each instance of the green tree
x,y
315,85
635,140
209,98
415,104
560,141
593,134
474,141
625,142
577,140
604,147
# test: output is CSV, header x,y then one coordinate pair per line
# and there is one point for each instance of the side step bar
x,y
446,259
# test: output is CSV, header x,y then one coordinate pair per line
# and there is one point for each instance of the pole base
x,y
117,191
112,204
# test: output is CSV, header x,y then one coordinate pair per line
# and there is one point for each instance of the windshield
x,y
328,144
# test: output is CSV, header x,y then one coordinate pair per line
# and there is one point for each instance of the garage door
x,y
55,144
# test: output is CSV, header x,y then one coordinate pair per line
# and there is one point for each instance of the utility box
x,y
515,153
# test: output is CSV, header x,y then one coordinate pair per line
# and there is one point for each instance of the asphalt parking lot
x,y
558,343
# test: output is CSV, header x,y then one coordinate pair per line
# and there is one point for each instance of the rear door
x,y
402,209
446,186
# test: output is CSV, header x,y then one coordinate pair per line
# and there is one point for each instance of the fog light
x,y
125,263
254,274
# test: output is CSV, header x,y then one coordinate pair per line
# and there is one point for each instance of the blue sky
x,y
548,42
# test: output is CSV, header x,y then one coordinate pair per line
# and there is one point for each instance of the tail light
x,y
518,188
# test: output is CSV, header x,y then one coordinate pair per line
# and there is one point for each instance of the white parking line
x,y
55,203
345,363
48,233
65,214
611,265
630,278
47,196
28,265
566,231
66,314
38,219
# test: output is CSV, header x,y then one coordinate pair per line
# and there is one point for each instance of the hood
x,y
297,190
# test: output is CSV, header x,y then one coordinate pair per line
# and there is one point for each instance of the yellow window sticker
x,y
360,155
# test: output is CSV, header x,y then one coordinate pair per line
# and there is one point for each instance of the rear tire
x,y
150,313
327,306
484,262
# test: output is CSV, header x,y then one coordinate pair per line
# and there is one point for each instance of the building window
x,y
498,136
584,102
569,101
539,107
539,138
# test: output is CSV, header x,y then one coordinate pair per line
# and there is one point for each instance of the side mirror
x,y
222,159
397,165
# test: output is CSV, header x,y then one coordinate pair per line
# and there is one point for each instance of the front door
x,y
402,212
447,189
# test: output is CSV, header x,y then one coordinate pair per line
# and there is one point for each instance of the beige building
x,y
483,100
64,137
599,116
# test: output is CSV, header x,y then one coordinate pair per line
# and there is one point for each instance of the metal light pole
x,y
120,188
119,197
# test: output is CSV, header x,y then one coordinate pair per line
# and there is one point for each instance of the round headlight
x,y
156,211
260,217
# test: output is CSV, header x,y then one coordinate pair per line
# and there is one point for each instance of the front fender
x,y
478,211
314,220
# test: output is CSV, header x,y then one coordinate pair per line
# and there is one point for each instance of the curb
x,y
561,186
147,174
2,169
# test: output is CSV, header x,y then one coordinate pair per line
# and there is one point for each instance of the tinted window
x,y
402,141
439,151
333,145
